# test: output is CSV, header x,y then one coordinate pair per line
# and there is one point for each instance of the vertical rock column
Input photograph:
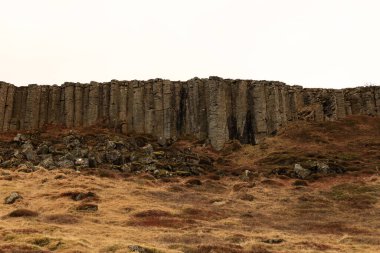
x,y
340,104
148,107
203,111
376,91
78,105
217,115
273,108
69,104
180,97
105,103
296,101
23,108
44,103
8,107
3,100
158,109
259,111
138,107
85,104
369,102
230,103
347,102
123,107
167,109
32,109
114,104
241,110
18,104
192,123
355,100
173,111
54,105
93,104
283,104
130,105
185,110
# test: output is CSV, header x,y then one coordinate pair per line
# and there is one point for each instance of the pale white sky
x,y
314,43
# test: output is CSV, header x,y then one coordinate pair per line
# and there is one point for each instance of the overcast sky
x,y
313,43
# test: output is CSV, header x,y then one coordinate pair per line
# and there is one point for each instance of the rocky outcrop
x,y
213,109
127,154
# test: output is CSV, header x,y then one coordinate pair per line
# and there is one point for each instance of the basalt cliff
x,y
213,109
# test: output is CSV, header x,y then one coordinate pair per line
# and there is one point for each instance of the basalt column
x,y
212,109
54,105
240,110
93,103
167,109
217,115
259,111
18,106
69,104
78,105
273,108
123,107
376,91
3,99
138,107
44,102
32,109
8,107
114,104
340,104
158,109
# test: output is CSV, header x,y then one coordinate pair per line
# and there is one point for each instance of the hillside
x,y
312,187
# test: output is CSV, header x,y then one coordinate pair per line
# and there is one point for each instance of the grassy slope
x,y
223,214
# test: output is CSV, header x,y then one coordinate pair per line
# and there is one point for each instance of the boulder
x,y
48,163
87,207
92,163
12,198
25,167
65,163
20,138
301,172
148,149
28,151
139,249
82,162
114,157
43,149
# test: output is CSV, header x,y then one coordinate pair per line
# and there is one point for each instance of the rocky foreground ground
x,y
315,187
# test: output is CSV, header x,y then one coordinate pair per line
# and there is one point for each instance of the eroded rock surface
x,y
212,109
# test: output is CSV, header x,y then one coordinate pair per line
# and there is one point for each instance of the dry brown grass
x,y
138,211
219,212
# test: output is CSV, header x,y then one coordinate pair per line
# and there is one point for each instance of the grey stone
x,y
148,149
82,162
301,172
47,163
43,149
139,249
92,163
25,167
65,163
322,167
113,156
28,151
20,138
12,198
126,167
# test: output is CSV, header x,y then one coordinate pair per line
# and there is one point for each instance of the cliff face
x,y
215,109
